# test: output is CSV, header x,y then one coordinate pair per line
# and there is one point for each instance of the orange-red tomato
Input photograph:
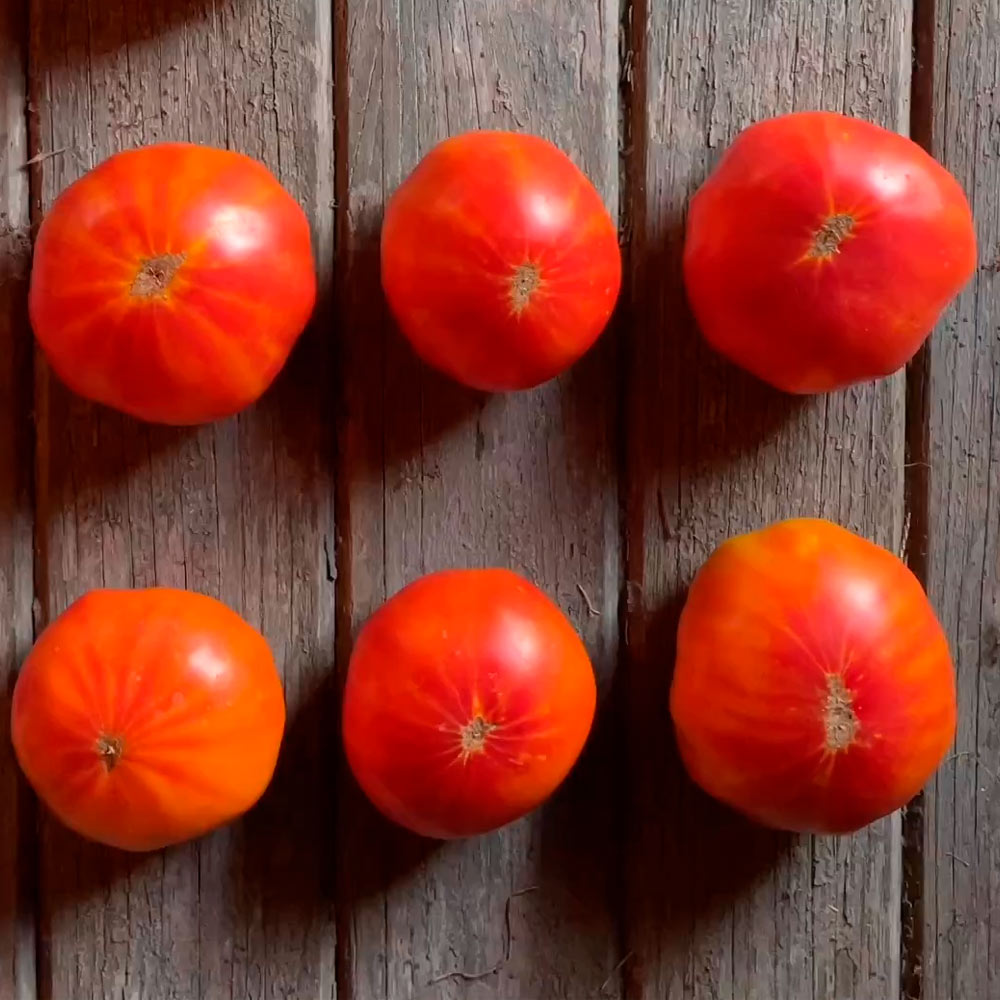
x,y
147,717
469,697
823,249
499,260
813,688
171,282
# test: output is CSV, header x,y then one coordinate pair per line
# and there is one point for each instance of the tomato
x,y
813,689
171,282
147,717
499,260
468,698
823,249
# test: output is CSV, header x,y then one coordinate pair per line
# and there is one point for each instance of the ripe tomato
x,y
469,697
823,249
171,282
499,260
813,689
147,717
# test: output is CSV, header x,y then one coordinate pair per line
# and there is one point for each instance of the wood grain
x,y
429,475
717,908
241,510
17,948
435,476
962,807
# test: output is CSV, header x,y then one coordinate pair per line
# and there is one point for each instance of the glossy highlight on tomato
x,y
823,249
147,717
813,689
469,696
499,260
171,282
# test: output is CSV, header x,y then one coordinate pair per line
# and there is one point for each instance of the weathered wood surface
x,y
241,510
609,485
17,950
961,883
435,476
717,908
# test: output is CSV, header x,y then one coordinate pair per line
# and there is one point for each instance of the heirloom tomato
x,y
813,688
499,260
147,717
469,697
823,249
170,282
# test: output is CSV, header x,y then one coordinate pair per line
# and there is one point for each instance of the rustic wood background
x,y
609,486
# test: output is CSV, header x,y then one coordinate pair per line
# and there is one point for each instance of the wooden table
x,y
362,469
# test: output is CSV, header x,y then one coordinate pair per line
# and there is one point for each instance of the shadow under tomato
x,y
591,413
314,839
68,878
696,428
301,403
280,852
689,859
565,847
273,869
267,873
375,853
392,405
691,414
165,499
211,493
75,871
573,918
96,445
289,836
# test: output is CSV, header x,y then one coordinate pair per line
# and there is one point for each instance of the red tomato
x,y
499,260
813,689
147,717
171,282
469,697
823,249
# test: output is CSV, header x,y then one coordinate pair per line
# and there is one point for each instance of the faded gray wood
x,y
716,907
17,948
241,510
962,807
435,476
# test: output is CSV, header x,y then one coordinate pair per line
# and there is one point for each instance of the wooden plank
x,y
717,908
17,946
961,893
241,510
435,476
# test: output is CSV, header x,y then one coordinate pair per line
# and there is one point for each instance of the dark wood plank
x,y
716,907
17,947
241,510
962,807
434,476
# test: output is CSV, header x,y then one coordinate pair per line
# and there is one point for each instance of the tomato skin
x,y
482,218
809,313
144,718
469,697
231,249
813,689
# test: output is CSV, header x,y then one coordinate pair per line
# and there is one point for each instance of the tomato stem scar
x,y
474,736
155,275
110,750
828,238
839,718
522,286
